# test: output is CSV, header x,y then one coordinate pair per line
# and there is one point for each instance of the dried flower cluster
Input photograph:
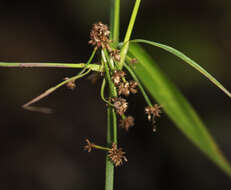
x,y
117,155
115,54
99,36
153,111
117,77
89,146
126,87
71,84
120,105
127,122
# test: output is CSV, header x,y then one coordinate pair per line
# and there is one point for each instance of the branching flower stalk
x,y
115,65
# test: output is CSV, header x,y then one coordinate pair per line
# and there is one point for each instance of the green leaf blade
x,y
176,106
187,60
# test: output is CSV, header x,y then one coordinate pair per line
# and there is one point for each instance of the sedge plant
x,y
118,60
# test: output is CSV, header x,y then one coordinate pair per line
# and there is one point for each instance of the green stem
x,y
100,147
93,67
102,93
108,59
89,61
148,101
109,172
111,132
128,33
115,20
111,115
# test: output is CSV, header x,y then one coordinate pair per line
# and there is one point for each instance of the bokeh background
x,y
45,152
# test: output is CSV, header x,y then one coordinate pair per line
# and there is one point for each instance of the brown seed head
x,y
115,54
99,35
132,87
126,87
89,146
116,77
153,111
117,155
71,84
123,89
120,105
127,122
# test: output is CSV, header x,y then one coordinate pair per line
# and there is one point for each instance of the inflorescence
x,y
99,38
119,85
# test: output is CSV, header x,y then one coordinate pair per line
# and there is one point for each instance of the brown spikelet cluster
x,y
117,77
115,54
117,155
71,84
99,36
126,88
127,122
153,111
120,105
89,146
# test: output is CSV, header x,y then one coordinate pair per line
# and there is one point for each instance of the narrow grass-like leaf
x,y
176,106
187,60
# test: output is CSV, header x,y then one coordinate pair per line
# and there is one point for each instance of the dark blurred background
x,y
46,151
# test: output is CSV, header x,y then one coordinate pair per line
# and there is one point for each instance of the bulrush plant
x,y
120,62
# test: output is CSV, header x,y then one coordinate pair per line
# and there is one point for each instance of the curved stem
x,y
148,101
48,92
102,93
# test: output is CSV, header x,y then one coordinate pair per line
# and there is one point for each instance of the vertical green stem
x,y
115,20
109,178
111,133
111,114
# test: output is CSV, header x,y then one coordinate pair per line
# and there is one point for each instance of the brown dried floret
x,y
126,87
99,35
132,87
115,54
71,84
153,111
127,122
120,105
89,146
117,155
123,89
117,76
